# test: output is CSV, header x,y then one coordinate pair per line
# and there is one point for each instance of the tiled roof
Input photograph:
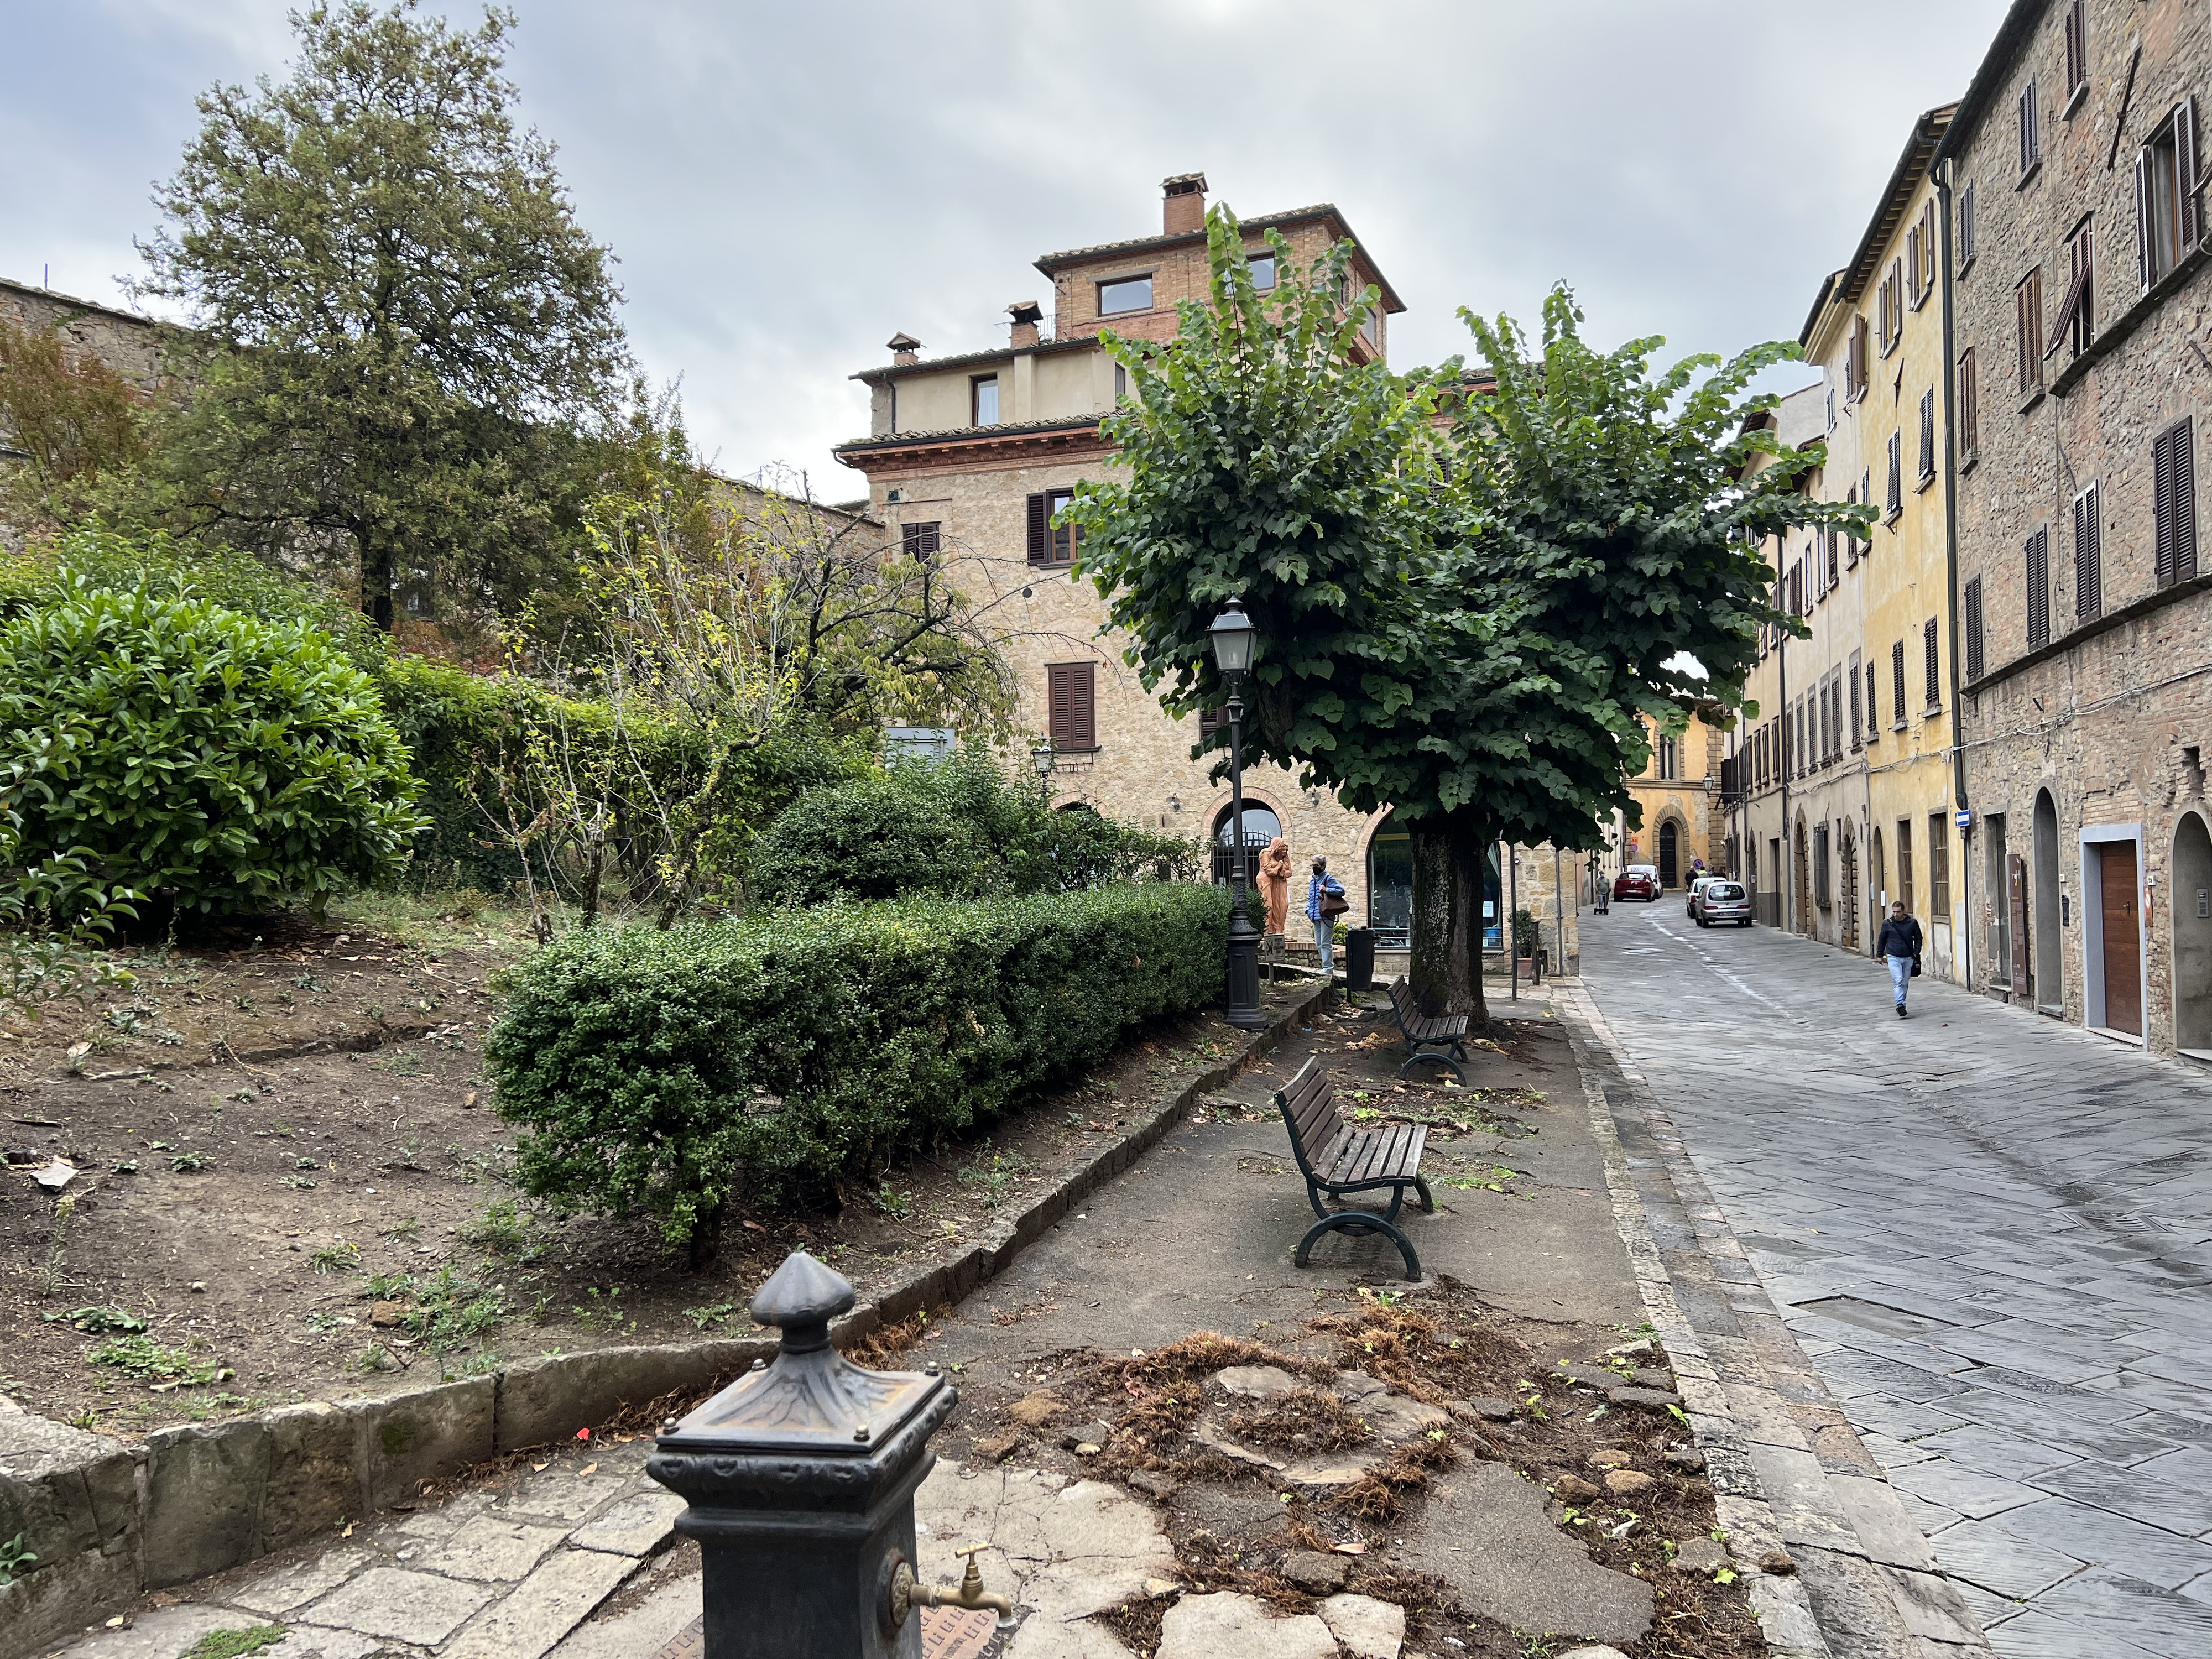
x,y
1052,263
971,433
897,371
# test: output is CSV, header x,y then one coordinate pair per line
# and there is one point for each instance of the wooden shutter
x,y
2173,505
919,541
1966,226
1928,247
1934,680
1897,680
2189,213
1928,434
2146,265
2030,144
1040,527
2088,563
1073,712
2076,290
1857,726
2161,504
1894,502
2077,47
1974,660
2038,588
1912,263
1970,404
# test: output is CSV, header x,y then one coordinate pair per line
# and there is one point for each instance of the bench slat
x,y
1319,1123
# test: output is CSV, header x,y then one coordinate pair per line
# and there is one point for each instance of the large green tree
x,y
404,339
1419,553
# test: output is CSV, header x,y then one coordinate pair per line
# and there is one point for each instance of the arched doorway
x,y
1670,854
1804,918
1877,879
2191,897
1260,827
1850,900
1390,885
2043,908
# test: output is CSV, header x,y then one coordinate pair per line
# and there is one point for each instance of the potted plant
x,y
1524,937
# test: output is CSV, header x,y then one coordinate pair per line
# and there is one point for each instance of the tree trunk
x,y
1447,923
378,567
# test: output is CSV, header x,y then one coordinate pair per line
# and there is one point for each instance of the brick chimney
x,y
1027,314
904,348
1184,208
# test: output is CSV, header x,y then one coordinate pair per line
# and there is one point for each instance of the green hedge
x,y
660,1072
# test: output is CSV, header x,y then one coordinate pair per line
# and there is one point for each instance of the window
x,y
1831,408
1970,404
1121,381
2028,316
1927,437
983,400
1828,540
1854,672
1974,659
2169,213
1210,720
1821,864
2088,558
2038,588
1866,494
1939,868
1819,574
1125,295
1896,685
1965,229
2077,49
1874,718
2031,141
1263,271
1071,706
2077,313
1856,367
1370,326
2173,487
1920,256
1889,308
1905,863
1669,759
1893,502
919,541
1931,663
1050,542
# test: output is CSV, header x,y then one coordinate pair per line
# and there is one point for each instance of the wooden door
x,y
2023,982
2116,876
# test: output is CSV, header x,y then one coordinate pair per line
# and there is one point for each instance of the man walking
x,y
1325,903
1900,945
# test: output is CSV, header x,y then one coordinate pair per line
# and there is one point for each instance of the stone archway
x,y
1803,921
2190,894
2043,907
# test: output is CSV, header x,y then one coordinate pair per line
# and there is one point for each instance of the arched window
x,y
1260,827
1670,759
1670,854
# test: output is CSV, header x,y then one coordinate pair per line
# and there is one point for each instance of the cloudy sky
x,y
786,186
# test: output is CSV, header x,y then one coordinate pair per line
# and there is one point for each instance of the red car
x,y
1638,881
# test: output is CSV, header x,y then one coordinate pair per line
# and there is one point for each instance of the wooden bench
x,y
1438,1037
1337,1157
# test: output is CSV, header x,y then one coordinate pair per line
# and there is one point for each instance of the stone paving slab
x,y
2031,1206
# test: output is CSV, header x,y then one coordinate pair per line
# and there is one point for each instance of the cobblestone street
x,y
1989,1231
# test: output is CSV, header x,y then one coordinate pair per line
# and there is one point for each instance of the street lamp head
x,y
1232,633
1042,757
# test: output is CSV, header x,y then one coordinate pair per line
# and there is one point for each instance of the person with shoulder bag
x,y
1899,946
1325,903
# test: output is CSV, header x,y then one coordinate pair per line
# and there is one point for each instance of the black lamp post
x,y
1044,757
1232,633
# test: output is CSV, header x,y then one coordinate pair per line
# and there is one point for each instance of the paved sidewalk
x,y
1990,1232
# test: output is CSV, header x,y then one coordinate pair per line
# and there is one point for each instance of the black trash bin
x,y
1359,959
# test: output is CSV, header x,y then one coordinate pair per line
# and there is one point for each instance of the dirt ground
x,y
293,1183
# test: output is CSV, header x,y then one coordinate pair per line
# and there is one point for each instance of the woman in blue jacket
x,y
1322,888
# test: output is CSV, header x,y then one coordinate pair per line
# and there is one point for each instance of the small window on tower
x,y
1129,293
1263,271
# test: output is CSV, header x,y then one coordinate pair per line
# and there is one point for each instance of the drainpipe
x,y
1941,171
1789,757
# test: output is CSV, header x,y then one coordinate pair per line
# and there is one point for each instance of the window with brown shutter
x,y
1966,228
1039,520
2169,211
2031,138
1933,665
1857,368
1855,726
1912,265
2077,47
1866,494
2037,552
2077,314
2174,502
1072,714
919,541
1939,868
2088,558
1894,502
1969,404
1905,863
1210,720
1928,435
1873,716
2028,316
1974,659
1828,545
1927,249
1897,684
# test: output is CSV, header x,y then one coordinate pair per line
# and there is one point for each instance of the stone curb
x,y
111,1523
1787,1469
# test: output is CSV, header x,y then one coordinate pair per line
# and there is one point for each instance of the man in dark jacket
x,y
1900,945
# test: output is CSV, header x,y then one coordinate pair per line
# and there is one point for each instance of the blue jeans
x,y
1901,975
1325,942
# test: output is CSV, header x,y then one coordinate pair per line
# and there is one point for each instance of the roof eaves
x,y
1912,165
1053,264
928,365
970,434
72,302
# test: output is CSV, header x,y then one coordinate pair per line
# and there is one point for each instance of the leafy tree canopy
x,y
1471,589
406,336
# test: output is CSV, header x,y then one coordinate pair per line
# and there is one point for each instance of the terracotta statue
x,y
1275,883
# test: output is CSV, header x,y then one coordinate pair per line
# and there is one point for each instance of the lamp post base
x,y
1244,1011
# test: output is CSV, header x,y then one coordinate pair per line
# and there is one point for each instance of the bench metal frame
x,y
1354,1161
1444,1044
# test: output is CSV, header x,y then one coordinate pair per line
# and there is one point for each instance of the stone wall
x,y
127,344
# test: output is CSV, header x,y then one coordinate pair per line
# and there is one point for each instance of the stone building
x,y
2078,296
125,341
1849,775
973,454
1683,817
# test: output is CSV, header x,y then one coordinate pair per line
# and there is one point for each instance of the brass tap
x,y
906,1594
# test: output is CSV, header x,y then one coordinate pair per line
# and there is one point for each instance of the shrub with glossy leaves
x,y
197,753
658,1072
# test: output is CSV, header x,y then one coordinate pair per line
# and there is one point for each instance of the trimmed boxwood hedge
x,y
660,1073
